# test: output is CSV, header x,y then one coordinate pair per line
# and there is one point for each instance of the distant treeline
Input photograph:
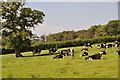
x,y
112,28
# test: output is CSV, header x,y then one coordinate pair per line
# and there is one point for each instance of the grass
x,y
46,67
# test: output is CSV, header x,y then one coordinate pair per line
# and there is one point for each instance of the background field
x,y
45,67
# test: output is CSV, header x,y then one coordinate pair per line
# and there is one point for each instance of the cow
x,y
88,45
58,56
84,49
102,45
118,44
118,53
94,57
36,51
67,52
110,45
52,50
84,54
103,52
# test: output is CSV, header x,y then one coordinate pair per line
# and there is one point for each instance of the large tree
x,y
18,21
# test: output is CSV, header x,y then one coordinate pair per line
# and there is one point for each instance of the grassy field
x,y
45,67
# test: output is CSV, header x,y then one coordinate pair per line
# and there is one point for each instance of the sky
x,y
64,16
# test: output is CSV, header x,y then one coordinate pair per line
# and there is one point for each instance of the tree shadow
x,y
42,55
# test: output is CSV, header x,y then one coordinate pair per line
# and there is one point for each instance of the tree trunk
x,y
17,53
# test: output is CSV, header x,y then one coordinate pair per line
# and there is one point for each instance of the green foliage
x,y
77,42
96,31
112,28
16,31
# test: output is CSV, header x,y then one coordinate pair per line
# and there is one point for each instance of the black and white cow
x,y
102,45
84,54
67,52
36,51
60,56
88,45
118,53
103,52
118,44
110,45
93,57
84,49
52,50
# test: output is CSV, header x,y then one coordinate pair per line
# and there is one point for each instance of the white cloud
x,y
43,29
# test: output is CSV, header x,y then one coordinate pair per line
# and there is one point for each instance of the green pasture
x,y
45,67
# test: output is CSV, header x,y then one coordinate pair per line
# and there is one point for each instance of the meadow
x,y
44,66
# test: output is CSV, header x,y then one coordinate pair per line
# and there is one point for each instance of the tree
x,y
18,21
43,38
112,28
35,38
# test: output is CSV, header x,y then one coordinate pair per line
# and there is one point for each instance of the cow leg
x,y
33,53
72,55
63,57
91,46
38,53
50,52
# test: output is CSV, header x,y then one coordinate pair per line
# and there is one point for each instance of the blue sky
x,y
62,16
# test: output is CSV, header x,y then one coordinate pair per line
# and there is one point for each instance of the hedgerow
x,y
63,44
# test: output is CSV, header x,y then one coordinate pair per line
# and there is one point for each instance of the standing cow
x,y
88,45
36,51
110,45
52,50
117,43
118,53
102,45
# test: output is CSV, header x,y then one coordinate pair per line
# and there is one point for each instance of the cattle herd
x,y
70,52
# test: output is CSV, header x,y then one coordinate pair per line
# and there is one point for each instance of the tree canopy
x,y
18,21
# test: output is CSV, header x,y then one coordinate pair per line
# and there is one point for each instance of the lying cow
x,y
36,51
88,45
58,56
95,56
84,54
84,49
67,52
52,50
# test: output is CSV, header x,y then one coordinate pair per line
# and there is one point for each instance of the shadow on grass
x,y
42,55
